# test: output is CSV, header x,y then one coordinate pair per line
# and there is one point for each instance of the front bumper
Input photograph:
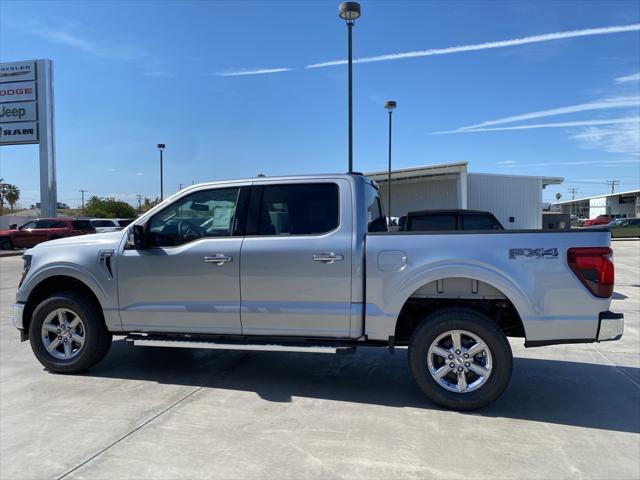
x,y
611,326
18,312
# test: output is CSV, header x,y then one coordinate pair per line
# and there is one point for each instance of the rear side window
x,y
124,223
43,224
471,221
82,224
57,224
301,209
432,223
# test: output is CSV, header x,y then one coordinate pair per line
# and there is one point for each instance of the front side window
x,y
301,209
204,214
29,225
44,224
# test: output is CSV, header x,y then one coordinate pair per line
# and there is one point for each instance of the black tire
x,y
97,339
6,244
478,324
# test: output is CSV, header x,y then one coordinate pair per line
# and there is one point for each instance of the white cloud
x,y
634,77
623,138
579,123
507,162
547,37
604,104
139,174
257,71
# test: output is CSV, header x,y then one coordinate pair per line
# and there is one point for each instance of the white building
x,y
515,200
616,205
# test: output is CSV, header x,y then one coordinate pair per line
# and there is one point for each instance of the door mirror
x,y
13,226
136,237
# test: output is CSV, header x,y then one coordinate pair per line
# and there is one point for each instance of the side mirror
x,y
136,237
13,226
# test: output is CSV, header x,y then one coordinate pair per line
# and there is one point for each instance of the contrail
x,y
257,71
547,37
615,102
580,123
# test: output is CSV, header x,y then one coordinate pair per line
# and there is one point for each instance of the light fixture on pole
x,y
390,106
161,147
349,11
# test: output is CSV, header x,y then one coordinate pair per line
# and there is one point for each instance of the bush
x,y
108,208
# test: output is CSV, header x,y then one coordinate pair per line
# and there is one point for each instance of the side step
x,y
249,344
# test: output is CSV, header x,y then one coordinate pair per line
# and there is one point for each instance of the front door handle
x,y
328,257
218,259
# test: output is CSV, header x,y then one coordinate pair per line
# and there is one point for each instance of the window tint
x,y
43,224
209,213
124,223
427,223
303,209
634,221
29,225
376,221
57,224
477,221
84,225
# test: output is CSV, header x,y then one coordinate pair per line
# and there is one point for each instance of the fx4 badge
x,y
533,253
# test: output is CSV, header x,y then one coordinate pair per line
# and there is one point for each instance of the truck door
x,y
187,280
296,259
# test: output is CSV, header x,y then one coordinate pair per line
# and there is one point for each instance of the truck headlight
x,y
26,265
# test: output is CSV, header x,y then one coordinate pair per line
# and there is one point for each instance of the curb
x,y
10,253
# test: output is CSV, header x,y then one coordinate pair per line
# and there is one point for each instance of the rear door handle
x,y
218,259
328,257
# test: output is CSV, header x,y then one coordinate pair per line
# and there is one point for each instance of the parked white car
x,y
103,225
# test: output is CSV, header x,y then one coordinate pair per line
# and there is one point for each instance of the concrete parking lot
x,y
571,411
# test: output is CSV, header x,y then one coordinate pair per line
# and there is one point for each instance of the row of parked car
x,y
42,229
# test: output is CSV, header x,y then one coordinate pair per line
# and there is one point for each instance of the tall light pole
x,y
161,147
390,106
349,11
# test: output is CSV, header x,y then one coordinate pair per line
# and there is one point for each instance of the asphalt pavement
x,y
571,411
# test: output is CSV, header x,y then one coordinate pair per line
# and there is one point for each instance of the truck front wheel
x,y
68,334
460,359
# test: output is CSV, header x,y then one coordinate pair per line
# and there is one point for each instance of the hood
x,y
8,231
104,240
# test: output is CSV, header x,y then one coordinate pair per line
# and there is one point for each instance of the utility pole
x,y
612,184
179,186
139,197
83,192
573,193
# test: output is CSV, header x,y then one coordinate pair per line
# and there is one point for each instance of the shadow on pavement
x,y
550,391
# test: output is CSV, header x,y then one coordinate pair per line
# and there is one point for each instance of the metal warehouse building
x,y
616,205
515,200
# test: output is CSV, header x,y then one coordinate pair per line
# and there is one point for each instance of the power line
x,y
83,192
612,184
573,193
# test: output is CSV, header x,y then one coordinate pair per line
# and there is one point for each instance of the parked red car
x,y
42,229
599,220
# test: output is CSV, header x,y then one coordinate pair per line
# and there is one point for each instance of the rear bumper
x,y
611,326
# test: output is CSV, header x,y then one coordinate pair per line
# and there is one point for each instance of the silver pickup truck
x,y
305,264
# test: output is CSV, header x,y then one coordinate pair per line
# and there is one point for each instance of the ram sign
x,y
26,116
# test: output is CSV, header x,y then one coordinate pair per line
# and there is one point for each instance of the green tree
x,y
108,208
12,194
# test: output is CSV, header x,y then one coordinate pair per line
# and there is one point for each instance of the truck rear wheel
x,y
68,334
460,359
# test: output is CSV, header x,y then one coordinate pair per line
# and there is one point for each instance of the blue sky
x,y
129,75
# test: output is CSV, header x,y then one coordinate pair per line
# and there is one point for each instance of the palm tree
x,y
12,194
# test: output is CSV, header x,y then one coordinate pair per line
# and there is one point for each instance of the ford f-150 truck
x,y
305,264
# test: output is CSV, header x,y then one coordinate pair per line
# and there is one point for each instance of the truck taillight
x,y
594,268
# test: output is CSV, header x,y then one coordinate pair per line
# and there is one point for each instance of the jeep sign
x,y
18,112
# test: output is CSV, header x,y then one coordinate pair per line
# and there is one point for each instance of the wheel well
x,y
56,284
446,293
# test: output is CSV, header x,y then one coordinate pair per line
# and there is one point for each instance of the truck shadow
x,y
550,391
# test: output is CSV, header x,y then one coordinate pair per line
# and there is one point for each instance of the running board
x,y
142,341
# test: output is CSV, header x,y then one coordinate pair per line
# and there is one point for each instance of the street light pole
x,y
161,147
349,11
390,106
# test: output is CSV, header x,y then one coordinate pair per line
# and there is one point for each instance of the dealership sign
x,y
26,116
